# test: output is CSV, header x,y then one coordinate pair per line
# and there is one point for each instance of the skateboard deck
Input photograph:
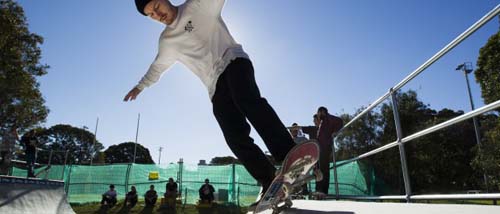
x,y
297,164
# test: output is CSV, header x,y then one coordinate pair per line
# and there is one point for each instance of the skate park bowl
x,y
32,195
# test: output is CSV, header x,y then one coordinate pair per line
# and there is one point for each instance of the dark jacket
x,y
329,125
172,187
211,189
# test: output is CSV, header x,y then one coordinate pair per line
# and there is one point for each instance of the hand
x,y
132,94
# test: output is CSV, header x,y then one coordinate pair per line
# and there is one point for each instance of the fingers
x,y
132,95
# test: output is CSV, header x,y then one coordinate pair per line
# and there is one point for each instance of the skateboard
x,y
294,173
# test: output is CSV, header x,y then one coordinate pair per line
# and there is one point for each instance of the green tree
x,y
360,137
438,162
488,76
78,142
488,69
21,102
124,153
223,160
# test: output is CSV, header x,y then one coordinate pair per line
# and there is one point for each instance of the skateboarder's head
x,y
322,112
159,10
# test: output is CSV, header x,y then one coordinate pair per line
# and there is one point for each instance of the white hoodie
x,y
199,39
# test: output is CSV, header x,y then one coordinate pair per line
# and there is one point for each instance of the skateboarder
x,y
30,142
329,124
197,36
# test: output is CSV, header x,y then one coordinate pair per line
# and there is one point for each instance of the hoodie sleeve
x,y
213,7
164,59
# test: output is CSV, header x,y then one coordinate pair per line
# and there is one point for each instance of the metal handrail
x,y
400,140
490,15
427,131
426,197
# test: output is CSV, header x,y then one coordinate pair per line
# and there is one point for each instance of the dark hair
x,y
152,186
141,4
295,124
111,186
315,116
322,108
206,180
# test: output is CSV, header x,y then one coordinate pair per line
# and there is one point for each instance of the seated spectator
x,y
171,191
109,197
207,192
150,196
131,198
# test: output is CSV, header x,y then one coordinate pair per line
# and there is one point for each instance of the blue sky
x,y
341,54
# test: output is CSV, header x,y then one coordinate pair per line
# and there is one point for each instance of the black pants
x,y
108,200
30,162
325,153
209,197
150,201
237,98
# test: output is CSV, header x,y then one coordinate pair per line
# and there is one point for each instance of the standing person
x,y
312,131
30,142
9,139
297,136
329,125
131,198
150,197
197,36
207,192
109,197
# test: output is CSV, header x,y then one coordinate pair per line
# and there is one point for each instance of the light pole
x,y
159,156
466,67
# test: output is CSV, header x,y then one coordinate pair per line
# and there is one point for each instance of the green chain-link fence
x,y
233,184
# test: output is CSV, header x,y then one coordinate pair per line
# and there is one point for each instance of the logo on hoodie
x,y
189,27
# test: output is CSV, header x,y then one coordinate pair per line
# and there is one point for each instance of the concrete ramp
x,y
23,195
350,207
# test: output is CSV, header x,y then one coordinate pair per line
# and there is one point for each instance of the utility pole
x,y
159,156
95,139
136,136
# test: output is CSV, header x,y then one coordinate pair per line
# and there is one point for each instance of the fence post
x,y
233,185
127,176
67,183
179,173
335,178
402,153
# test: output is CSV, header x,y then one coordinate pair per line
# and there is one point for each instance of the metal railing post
x,y
337,194
402,153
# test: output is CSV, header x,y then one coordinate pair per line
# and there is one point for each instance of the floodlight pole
x,y
136,136
466,67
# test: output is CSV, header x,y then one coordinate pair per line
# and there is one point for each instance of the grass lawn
x,y
89,208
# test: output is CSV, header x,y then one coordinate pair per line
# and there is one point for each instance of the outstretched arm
x,y
164,59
